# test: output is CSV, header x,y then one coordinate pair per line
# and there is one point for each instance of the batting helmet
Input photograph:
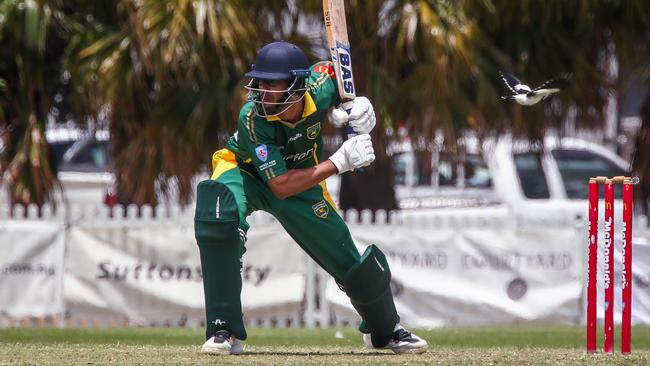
x,y
279,61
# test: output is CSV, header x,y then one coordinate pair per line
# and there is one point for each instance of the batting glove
x,y
362,116
356,152
338,116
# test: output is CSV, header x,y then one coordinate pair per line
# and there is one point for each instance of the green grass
x,y
496,345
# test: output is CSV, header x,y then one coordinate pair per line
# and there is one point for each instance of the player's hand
x,y
355,153
338,116
362,116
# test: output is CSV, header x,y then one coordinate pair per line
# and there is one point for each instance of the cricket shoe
x,y
402,341
222,342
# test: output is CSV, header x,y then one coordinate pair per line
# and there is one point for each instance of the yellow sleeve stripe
x,y
270,174
326,194
250,125
323,185
319,81
315,150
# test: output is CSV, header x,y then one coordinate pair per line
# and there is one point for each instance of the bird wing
x,y
557,83
544,93
511,82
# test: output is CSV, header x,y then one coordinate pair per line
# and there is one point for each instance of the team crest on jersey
x,y
313,131
321,209
261,152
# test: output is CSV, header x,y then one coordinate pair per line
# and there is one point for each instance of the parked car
x,y
531,184
81,159
83,165
509,171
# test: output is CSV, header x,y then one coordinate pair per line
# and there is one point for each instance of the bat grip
x,y
350,131
347,107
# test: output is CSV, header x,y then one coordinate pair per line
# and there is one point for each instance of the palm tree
x,y
29,74
166,73
433,49
641,160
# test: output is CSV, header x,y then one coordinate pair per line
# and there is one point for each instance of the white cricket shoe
x,y
403,342
222,342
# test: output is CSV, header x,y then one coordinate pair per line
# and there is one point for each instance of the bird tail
x,y
507,97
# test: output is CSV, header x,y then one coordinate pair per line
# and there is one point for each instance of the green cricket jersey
x,y
268,147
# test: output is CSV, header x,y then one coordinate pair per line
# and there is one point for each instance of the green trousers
x,y
224,202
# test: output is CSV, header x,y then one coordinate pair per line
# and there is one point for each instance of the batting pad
x,y
216,223
367,284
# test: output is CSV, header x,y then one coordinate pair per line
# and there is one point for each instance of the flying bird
x,y
524,95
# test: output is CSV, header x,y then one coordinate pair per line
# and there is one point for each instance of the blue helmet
x,y
279,61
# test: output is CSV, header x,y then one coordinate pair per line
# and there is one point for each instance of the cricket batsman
x,y
274,162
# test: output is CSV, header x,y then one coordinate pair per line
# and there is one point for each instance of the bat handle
x,y
347,107
350,131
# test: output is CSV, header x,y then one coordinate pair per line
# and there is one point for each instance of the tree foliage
x,y
167,76
30,61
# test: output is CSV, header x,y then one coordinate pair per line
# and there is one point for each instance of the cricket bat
x,y
339,45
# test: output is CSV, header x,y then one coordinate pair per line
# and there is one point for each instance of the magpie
x,y
524,95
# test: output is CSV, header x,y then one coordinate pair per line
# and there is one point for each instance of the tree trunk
x,y
371,188
641,161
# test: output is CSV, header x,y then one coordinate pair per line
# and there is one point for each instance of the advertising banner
x,y
151,274
477,276
31,268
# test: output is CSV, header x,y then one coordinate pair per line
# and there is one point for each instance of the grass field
x,y
503,345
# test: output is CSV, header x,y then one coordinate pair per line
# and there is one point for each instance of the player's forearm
x,y
297,181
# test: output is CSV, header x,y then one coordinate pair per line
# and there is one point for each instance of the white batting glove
x,y
338,116
355,153
362,116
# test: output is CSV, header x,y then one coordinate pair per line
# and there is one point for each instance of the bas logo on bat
x,y
345,66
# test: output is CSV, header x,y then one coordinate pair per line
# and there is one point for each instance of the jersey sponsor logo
x,y
313,131
321,209
299,156
261,152
296,137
